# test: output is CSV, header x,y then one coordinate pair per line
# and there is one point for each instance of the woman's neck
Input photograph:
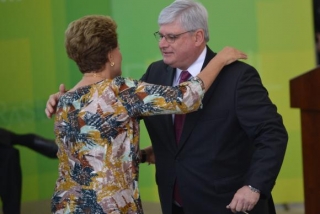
x,y
91,78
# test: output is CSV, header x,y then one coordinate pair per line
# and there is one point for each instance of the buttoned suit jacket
x,y
237,138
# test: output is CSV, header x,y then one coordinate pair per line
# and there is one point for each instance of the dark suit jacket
x,y
10,179
236,139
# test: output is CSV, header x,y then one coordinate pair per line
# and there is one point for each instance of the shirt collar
x,y
195,68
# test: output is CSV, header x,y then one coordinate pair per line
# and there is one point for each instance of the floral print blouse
x,y
97,132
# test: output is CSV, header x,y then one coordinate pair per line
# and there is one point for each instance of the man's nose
x,y
163,43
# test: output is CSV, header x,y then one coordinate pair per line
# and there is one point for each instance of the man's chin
x,y
168,62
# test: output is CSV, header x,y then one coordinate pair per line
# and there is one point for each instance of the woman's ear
x,y
110,60
109,55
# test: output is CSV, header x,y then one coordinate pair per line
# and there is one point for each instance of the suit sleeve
x,y
259,118
144,77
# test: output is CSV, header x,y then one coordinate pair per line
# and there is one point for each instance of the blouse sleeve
x,y
144,99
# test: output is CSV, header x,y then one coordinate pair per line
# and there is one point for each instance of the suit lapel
x,y
192,118
167,119
209,56
170,73
168,82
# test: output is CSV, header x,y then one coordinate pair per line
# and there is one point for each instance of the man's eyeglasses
x,y
170,38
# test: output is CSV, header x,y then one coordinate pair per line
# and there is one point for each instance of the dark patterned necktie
x,y
178,126
179,118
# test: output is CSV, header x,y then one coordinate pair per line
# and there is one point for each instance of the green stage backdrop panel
x,y
277,35
33,64
27,64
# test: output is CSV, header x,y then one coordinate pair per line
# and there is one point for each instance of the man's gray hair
x,y
191,15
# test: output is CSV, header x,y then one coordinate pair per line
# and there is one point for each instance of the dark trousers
x,y
10,180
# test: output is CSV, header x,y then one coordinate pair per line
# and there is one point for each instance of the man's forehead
x,y
170,29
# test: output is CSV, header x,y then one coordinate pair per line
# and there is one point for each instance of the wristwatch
x,y
253,189
143,156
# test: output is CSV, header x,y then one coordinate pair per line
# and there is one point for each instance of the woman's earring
x,y
112,64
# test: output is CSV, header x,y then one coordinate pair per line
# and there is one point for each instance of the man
x,y
11,176
230,152
43,146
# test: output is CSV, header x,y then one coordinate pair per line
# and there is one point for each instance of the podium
x,y
305,94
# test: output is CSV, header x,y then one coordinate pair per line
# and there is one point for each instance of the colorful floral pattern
x,y
97,132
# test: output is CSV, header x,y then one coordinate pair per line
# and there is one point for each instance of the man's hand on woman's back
x,y
53,101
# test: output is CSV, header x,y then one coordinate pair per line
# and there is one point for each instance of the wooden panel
x,y
310,123
305,94
305,90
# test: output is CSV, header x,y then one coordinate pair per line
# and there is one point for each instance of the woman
x,y
96,122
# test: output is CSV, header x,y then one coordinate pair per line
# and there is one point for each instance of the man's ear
x,y
199,37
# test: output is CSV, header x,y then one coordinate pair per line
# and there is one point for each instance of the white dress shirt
x,y
194,69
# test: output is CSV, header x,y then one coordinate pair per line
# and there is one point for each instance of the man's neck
x,y
197,64
195,56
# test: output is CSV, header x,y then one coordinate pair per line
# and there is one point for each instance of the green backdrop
x,y
276,34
